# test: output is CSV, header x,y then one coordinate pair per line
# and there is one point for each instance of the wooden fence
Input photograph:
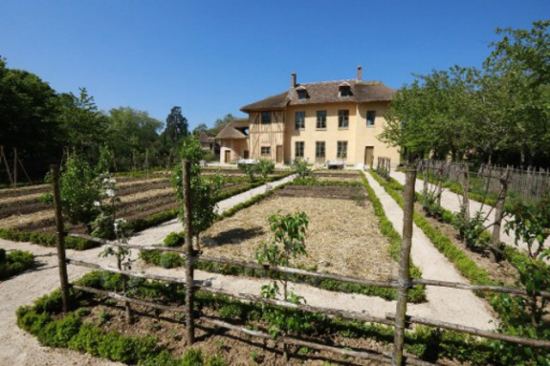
x,y
399,320
528,184
383,166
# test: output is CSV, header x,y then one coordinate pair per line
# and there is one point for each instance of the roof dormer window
x,y
302,92
344,90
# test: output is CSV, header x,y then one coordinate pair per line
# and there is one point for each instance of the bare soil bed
x,y
502,271
343,235
233,347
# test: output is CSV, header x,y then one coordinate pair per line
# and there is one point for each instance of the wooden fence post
x,y
189,291
3,158
62,263
14,167
465,192
404,279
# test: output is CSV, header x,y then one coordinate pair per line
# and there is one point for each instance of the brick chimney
x,y
293,82
359,72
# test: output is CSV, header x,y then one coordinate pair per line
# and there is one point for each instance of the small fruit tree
x,y
204,190
288,242
80,192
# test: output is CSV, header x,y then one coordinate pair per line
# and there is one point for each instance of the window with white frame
x,y
265,150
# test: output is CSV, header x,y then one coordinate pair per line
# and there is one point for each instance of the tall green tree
x,y
521,59
84,124
176,127
133,133
28,118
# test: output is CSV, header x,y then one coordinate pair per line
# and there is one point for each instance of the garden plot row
x,y
139,198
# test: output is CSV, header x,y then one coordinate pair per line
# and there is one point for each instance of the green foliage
x,y
302,168
470,230
14,262
192,357
250,170
204,191
46,239
423,342
173,240
79,190
499,112
265,167
171,260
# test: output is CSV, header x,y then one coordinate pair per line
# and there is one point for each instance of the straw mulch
x,y
343,235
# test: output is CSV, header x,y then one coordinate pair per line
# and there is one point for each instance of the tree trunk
x,y
189,290
404,270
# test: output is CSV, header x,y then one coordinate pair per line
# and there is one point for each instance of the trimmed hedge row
x,y
46,239
14,262
70,331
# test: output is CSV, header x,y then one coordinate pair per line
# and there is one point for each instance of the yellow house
x,y
334,122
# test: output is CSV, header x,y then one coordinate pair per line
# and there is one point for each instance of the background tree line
x,y
499,113
45,126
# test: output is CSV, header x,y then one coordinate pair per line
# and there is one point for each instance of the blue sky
x,y
212,57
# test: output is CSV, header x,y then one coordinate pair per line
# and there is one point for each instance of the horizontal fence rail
x,y
326,276
205,285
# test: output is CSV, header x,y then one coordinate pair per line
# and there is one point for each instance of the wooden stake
x,y
3,158
14,167
404,279
61,258
465,192
186,181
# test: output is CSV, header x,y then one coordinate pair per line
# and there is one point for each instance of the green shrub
x,y
265,167
60,332
15,262
174,240
171,260
215,360
192,357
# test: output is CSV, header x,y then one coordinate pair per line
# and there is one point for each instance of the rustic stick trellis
x,y
400,320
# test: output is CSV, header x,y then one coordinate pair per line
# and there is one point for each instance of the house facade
x,y
335,121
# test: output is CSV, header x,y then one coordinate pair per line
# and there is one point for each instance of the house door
x,y
369,156
227,156
279,154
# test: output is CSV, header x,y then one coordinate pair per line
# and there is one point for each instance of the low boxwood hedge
x,y
70,331
14,262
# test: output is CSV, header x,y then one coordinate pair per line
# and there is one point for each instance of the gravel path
x,y
19,348
451,201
